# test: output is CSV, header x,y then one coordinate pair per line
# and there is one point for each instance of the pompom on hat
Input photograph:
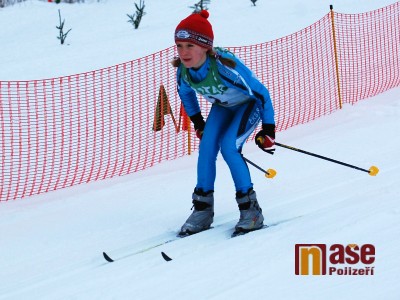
x,y
195,29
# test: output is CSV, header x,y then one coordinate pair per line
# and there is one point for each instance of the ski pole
x,y
373,170
270,173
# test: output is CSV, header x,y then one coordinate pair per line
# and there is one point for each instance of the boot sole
x,y
186,233
242,231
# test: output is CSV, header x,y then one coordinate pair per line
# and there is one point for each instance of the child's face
x,y
191,55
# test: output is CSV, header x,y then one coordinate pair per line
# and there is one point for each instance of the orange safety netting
x,y
60,132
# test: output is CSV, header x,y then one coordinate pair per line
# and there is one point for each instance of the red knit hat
x,y
195,29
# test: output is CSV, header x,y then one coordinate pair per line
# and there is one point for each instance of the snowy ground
x,y
51,245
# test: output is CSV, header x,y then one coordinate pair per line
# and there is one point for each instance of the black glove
x,y
199,124
265,138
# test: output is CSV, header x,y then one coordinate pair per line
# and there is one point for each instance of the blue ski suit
x,y
239,101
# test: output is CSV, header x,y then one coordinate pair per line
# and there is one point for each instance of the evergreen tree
x,y
199,6
61,35
135,18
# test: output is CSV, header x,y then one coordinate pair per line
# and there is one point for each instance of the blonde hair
x,y
176,62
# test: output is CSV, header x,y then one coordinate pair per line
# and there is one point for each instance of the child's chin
x,y
187,64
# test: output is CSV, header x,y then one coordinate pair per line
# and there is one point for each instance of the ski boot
x,y
251,217
203,214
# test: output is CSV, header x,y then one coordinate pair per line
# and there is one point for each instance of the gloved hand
x,y
199,124
265,138
199,133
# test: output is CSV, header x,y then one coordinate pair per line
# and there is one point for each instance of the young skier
x,y
239,101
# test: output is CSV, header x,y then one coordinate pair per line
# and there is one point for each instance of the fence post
x,y
336,56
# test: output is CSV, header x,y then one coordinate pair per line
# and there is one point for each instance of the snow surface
x,y
51,245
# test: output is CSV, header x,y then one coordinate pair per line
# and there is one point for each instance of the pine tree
x,y
62,36
135,18
199,6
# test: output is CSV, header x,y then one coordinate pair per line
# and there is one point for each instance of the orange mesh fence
x,y
368,52
299,71
60,132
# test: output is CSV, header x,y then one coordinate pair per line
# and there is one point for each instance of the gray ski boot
x,y
251,217
202,215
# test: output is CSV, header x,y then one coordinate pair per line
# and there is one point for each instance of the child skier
x,y
239,101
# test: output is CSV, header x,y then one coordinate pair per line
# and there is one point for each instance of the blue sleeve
x,y
257,89
260,92
187,95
